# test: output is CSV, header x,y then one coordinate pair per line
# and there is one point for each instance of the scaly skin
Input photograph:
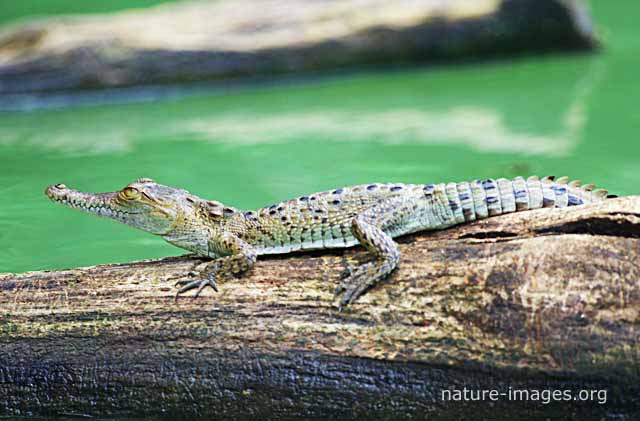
x,y
370,215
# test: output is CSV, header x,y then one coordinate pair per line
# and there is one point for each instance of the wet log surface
x,y
230,39
539,300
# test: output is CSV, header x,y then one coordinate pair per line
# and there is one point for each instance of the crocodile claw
x,y
354,285
345,277
351,294
189,284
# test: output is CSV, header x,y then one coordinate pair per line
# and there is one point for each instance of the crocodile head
x,y
143,204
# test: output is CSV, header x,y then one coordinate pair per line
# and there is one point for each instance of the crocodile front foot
x,y
190,284
200,280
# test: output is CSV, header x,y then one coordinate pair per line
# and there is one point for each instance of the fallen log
x,y
228,39
540,300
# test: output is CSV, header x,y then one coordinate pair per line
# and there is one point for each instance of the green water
x,y
14,11
251,146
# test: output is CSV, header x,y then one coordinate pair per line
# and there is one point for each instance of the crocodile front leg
x,y
240,259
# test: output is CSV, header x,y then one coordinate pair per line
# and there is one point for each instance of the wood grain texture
x,y
539,299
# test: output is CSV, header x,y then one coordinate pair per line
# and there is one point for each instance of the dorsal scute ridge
x,y
601,193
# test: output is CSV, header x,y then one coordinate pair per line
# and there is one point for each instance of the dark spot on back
x,y
396,188
250,215
559,189
338,191
488,184
304,198
335,202
371,186
574,200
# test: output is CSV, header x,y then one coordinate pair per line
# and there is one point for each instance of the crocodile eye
x,y
130,193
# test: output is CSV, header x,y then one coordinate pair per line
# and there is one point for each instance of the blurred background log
x,y
228,39
546,299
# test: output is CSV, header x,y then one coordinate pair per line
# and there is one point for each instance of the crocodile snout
x,y
55,190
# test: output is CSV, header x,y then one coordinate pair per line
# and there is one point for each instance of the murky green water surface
x,y
258,144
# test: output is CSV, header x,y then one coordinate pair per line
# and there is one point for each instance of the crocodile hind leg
x,y
369,230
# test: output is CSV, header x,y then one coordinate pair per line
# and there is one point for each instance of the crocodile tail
x,y
561,192
479,199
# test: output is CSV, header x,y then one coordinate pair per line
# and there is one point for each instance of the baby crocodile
x,y
370,215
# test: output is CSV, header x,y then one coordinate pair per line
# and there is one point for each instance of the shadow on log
x,y
228,39
542,300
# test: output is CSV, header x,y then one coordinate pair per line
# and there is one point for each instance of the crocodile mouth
x,y
97,204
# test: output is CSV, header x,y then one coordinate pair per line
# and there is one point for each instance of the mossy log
x,y
228,39
540,300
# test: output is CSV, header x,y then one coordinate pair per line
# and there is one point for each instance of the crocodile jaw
x,y
108,205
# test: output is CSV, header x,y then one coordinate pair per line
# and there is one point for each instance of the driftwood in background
x,y
226,39
547,299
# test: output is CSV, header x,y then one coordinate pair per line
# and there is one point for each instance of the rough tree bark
x,y
547,299
227,39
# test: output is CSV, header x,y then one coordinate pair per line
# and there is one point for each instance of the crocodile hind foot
x,y
367,229
355,282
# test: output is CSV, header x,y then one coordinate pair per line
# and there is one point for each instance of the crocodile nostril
x,y
60,186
